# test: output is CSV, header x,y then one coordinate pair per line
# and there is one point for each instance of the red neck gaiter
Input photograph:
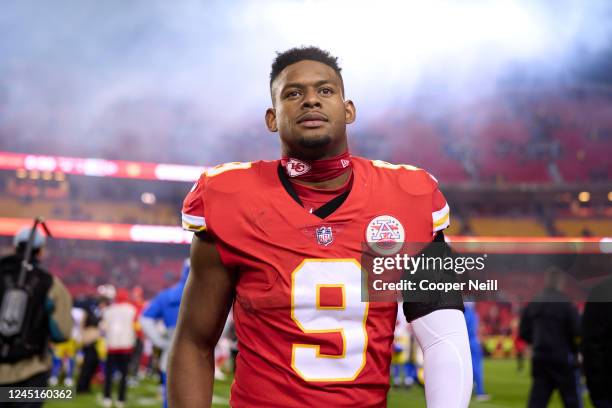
x,y
317,170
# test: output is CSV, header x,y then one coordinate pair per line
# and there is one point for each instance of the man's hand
x,y
205,305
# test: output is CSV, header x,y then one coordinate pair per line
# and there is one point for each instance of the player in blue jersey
x,y
164,308
472,322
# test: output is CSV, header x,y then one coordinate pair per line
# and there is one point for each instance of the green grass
x,y
508,388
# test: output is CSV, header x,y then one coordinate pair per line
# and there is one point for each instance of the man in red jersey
x,y
281,242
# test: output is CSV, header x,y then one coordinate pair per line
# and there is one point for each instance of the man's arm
x,y
442,335
59,304
205,305
149,328
148,319
439,326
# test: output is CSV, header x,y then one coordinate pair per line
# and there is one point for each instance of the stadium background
x,y
108,113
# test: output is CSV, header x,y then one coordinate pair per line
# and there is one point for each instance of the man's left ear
x,y
350,113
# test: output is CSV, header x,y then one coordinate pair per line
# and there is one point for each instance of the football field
x,y
508,388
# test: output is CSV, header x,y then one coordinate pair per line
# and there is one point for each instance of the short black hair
x,y
297,54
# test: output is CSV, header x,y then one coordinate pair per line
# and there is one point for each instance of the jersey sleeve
x,y
420,303
192,214
440,212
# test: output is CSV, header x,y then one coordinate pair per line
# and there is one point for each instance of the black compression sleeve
x,y
418,303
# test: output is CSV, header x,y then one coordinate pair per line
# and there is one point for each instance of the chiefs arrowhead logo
x,y
297,167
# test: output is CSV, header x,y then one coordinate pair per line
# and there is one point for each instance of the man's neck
x,y
315,154
334,183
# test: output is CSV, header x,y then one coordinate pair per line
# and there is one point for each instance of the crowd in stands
x,y
511,136
522,137
125,265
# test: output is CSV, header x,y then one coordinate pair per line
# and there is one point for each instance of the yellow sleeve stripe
x,y
441,221
193,228
440,214
193,223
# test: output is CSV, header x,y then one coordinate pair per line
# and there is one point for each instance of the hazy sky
x,y
85,71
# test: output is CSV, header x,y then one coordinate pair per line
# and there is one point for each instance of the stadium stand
x,y
506,226
516,136
575,227
102,211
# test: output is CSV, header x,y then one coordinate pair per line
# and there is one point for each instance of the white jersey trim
x,y
441,218
193,222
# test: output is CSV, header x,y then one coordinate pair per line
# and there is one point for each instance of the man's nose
x,y
311,99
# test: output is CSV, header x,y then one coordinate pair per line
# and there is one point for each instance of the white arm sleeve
x,y
150,330
443,337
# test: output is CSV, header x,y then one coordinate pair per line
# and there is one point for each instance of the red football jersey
x,y
305,338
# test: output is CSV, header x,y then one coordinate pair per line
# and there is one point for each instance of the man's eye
x,y
326,91
293,94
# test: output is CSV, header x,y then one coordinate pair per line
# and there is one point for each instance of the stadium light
x,y
406,39
606,245
148,198
23,163
423,27
584,196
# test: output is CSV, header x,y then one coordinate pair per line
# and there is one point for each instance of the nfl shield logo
x,y
324,236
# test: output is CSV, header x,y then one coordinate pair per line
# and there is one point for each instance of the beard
x,y
314,142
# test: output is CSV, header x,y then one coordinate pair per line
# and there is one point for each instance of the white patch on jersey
x,y
385,235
